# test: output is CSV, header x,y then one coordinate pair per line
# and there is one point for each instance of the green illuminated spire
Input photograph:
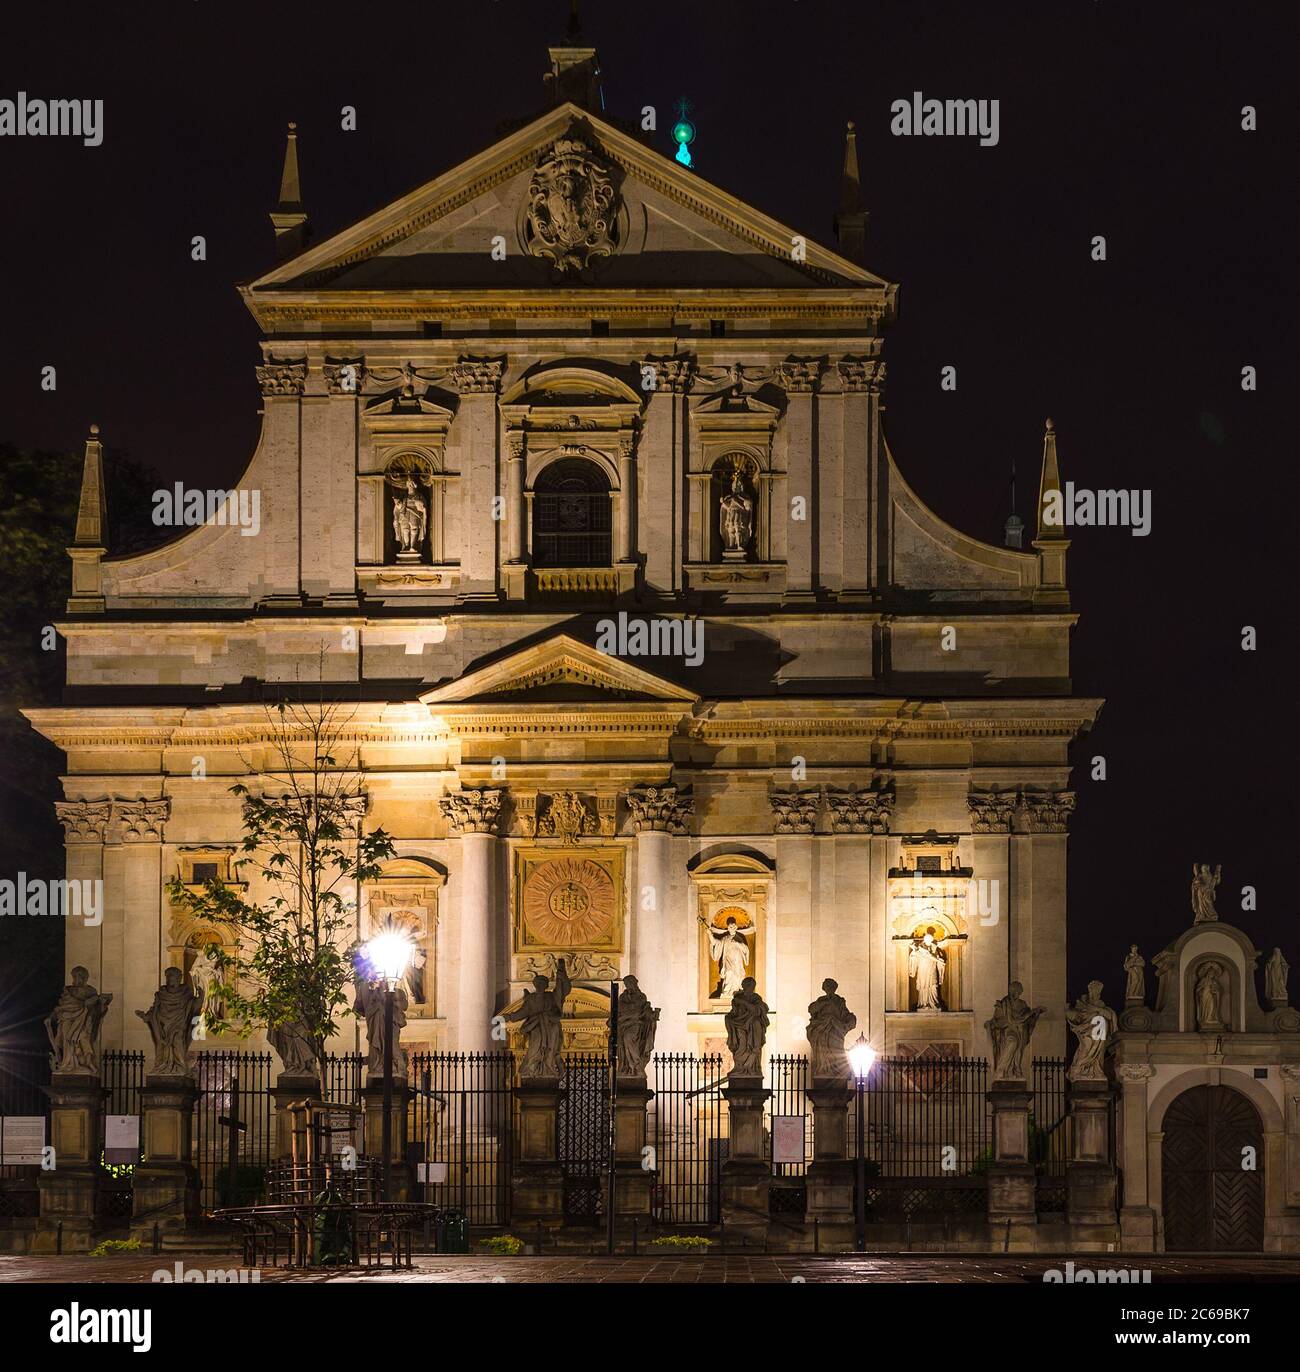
x,y
684,133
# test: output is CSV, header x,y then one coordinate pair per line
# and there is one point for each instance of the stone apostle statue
x,y
295,1048
829,1023
1094,1023
73,1027
1209,996
1009,1029
746,1022
736,516
1275,975
1204,885
1135,987
409,519
925,962
370,1002
171,1019
541,1013
730,949
638,1022
204,974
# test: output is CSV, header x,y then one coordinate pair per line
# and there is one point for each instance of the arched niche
x,y
730,893
405,896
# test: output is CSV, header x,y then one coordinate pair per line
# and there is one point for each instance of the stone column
x,y
990,947
1044,818
1137,1219
515,474
658,813
139,826
68,1193
280,542
799,377
857,377
84,824
1011,1173
1090,1173
165,1188
831,1178
663,517
626,498
746,1174
477,380
474,816
537,1182
634,1173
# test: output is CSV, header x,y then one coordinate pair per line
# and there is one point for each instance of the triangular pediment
x,y
662,226
560,669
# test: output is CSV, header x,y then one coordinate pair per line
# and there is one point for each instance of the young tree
x,y
294,950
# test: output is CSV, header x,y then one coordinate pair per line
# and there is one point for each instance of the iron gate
x,y
234,1089
690,1138
584,1127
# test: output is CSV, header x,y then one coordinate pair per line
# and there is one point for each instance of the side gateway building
x,y
573,486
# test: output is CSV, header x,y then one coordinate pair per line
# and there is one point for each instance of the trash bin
x,y
452,1232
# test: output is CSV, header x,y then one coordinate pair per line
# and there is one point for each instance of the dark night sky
x,y
1116,119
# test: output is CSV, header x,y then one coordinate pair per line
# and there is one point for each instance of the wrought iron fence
x,y
234,1097
460,1123
690,1138
343,1078
121,1073
24,1073
584,1140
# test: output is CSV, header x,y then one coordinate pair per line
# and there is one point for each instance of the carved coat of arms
x,y
571,208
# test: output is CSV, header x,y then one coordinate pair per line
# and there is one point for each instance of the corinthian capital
x,y
670,373
84,821
277,377
1046,812
860,812
861,374
473,811
345,376
477,375
799,374
659,809
794,812
141,821
991,811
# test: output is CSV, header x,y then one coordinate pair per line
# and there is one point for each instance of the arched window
x,y
571,516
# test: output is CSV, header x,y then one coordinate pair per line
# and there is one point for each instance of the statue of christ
x,y
925,962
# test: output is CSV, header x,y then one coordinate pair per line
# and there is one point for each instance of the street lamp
x,y
387,955
862,1057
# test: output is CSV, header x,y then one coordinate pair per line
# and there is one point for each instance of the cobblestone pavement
x,y
930,1268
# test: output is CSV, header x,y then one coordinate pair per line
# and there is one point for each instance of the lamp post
x,y
388,954
862,1057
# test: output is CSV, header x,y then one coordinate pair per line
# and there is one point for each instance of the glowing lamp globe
x,y
683,133
388,953
862,1057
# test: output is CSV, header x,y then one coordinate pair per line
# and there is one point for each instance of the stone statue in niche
x,y
830,1021
1009,1030
1204,885
410,519
736,517
540,1014
204,974
926,962
73,1027
1135,985
638,1022
730,949
1209,996
1093,1023
1276,970
746,1022
171,1019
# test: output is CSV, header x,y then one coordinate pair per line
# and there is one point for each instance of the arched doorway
x,y
1213,1190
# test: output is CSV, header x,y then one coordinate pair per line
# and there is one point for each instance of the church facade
x,y
573,492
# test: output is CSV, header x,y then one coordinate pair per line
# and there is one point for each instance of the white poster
x,y
433,1173
787,1138
121,1140
22,1137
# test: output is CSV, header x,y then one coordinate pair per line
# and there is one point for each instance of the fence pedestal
x,y
68,1194
165,1189
831,1172
746,1175
1090,1173
1011,1173
289,1091
538,1181
633,1181
373,1096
